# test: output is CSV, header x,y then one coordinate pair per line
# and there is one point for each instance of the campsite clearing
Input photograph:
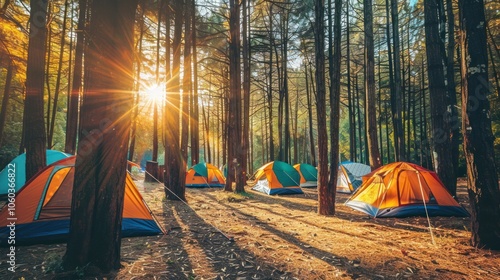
x,y
278,237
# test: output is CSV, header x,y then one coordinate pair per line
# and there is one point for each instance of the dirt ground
x,y
220,235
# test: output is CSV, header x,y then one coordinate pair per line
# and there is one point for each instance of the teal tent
x,y
276,177
17,170
308,175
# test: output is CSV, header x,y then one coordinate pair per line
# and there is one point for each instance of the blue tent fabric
x,y
18,167
410,210
58,230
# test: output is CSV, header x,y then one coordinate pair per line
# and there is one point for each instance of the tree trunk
x,y
441,132
312,151
396,105
245,139
371,112
234,157
195,133
59,73
451,93
47,76
174,166
76,88
482,179
155,103
325,204
6,97
186,84
138,62
335,65
34,129
350,105
101,162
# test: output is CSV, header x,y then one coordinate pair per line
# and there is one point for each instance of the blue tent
x,y
350,175
17,167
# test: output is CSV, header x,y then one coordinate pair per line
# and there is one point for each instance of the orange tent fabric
x,y
204,175
46,207
404,189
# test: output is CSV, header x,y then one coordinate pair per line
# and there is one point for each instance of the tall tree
x,y
335,63
452,114
155,103
135,116
6,96
34,129
371,112
441,132
245,139
76,88
101,162
234,156
194,120
59,74
174,165
186,83
396,95
325,203
482,179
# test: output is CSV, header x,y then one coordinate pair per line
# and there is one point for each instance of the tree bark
x,y
234,157
76,88
195,118
186,83
396,105
6,97
482,179
335,65
101,162
59,73
441,132
174,165
371,112
325,204
138,62
452,117
34,129
312,150
245,139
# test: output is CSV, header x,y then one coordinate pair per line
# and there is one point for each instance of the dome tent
x,y
276,177
46,201
308,175
18,164
404,189
204,175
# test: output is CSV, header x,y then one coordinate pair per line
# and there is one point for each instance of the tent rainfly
x,y
350,175
276,177
404,189
308,175
17,167
46,208
204,175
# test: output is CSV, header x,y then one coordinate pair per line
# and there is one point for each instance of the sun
x,y
155,93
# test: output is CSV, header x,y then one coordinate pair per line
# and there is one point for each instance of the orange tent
x,y
404,189
44,207
204,175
